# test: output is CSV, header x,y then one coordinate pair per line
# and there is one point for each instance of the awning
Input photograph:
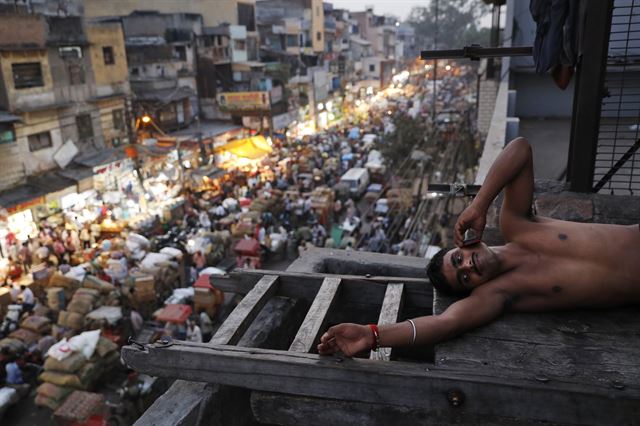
x,y
21,198
83,176
99,158
246,66
51,182
6,117
253,148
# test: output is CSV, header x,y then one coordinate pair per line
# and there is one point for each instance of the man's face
x,y
469,267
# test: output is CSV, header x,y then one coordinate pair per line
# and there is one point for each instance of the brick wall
x,y
487,103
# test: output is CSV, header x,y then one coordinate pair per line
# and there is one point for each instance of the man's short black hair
x,y
437,278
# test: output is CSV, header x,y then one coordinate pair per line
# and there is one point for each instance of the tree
x,y
409,134
458,24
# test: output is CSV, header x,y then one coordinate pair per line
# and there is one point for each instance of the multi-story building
x,y
406,34
63,99
161,54
380,31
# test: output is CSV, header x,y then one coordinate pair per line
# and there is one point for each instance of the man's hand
x,y
471,218
347,338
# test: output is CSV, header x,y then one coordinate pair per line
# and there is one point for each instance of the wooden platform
x,y
564,368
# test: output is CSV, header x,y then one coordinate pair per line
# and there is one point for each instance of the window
x,y
70,52
39,141
292,41
85,127
239,45
76,74
319,36
27,75
180,53
135,71
118,119
7,133
246,16
372,68
107,54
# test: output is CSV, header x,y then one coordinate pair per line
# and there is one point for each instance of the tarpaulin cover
x,y
253,148
174,313
247,247
203,282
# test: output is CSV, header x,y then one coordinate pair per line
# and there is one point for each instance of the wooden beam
x,y
432,388
355,289
243,315
316,320
389,314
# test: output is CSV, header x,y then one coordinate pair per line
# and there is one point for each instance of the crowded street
x,y
152,157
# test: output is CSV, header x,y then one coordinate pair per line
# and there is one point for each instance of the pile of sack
x,y
77,363
31,330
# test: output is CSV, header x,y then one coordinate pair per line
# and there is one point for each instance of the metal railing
x,y
617,162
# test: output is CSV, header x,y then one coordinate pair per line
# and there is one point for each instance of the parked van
x,y
357,179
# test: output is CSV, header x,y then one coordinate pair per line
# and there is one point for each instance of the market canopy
x,y
253,148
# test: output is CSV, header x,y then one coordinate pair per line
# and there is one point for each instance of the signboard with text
x,y
236,102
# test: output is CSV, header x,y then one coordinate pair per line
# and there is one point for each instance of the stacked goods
x,y
51,396
56,298
84,300
31,330
207,300
41,276
13,346
96,283
69,285
78,363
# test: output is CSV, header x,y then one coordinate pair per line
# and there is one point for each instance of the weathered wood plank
x,y
178,406
355,289
389,314
240,319
484,392
316,320
292,410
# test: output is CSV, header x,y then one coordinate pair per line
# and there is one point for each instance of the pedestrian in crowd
x,y
199,261
25,256
193,331
28,299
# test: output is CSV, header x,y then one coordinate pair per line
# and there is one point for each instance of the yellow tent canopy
x,y
253,147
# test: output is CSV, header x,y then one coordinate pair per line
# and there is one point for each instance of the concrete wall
x,y
34,97
11,165
487,103
106,125
115,76
37,122
317,26
19,30
214,12
538,96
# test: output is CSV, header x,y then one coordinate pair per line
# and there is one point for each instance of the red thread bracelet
x,y
376,337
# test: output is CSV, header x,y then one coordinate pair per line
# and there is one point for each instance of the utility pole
x,y
435,67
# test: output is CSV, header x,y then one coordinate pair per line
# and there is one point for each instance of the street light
x,y
146,119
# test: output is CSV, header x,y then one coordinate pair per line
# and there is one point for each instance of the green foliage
x,y
409,134
458,24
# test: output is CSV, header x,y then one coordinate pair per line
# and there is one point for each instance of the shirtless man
x,y
547,264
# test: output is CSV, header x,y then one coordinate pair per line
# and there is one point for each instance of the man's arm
x,y
511,171
482,307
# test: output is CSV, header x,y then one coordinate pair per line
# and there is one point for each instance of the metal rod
x,y
617,166
475,52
